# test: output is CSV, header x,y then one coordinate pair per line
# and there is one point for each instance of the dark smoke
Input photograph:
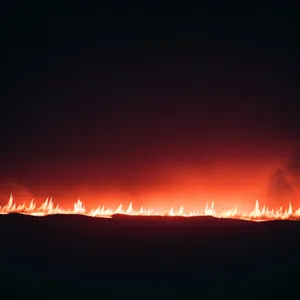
x,y
284,183
293,167
279,186
16,187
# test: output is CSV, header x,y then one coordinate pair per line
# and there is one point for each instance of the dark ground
x,y
148,258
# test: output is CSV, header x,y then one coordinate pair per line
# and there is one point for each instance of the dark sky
x,y
137,101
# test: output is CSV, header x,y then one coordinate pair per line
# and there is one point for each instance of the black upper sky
x,y
124,87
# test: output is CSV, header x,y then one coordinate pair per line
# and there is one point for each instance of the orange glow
x,y
48,208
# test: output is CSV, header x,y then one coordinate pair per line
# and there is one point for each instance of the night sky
x,y
162,105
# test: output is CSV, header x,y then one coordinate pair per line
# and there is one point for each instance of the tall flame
x,y
47,208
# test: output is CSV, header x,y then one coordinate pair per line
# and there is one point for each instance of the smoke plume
x,y
284,183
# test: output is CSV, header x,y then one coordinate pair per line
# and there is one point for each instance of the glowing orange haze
x,y
233,185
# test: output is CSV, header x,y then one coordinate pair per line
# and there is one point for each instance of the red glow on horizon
x,y
236,181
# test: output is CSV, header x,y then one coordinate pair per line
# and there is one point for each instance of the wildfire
x,y
48,208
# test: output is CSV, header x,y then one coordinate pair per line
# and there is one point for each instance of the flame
x,y
47,208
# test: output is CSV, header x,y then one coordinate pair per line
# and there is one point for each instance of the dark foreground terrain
x,y
148,258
